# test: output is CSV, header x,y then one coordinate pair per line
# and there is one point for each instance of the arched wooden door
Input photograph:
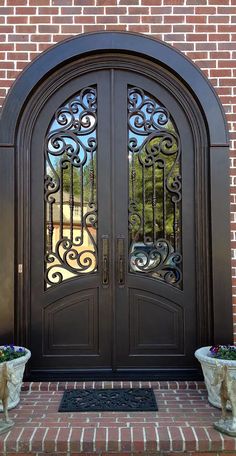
x,y
112,227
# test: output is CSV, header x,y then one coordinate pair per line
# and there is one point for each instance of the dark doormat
x,y
113,400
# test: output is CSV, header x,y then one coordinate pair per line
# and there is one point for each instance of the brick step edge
x,y
163,385
158,453
108,440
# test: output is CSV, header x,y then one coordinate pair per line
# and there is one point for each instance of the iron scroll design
x,y
70,189
155,195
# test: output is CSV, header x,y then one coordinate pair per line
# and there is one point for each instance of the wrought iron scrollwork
x,y
70,189
158,259
144,113
155,189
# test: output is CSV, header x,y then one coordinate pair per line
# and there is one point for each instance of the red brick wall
x,y
205,30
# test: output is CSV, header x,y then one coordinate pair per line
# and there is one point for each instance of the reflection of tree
x,y
154,174
82,177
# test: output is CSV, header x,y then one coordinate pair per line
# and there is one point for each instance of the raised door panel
x,y
70,325
156,325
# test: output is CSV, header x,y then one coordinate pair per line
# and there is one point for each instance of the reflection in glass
x,y
70,189
154,189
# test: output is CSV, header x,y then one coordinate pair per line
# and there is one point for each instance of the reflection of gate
x,y
154,207
116,199
64,221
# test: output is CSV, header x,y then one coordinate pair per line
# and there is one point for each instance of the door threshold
x,y
121,374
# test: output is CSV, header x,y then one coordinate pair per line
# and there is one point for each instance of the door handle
x,y
105,260
121,271
121,260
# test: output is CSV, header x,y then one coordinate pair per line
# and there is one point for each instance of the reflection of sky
x,y
62,128
55,159
141,135
66,117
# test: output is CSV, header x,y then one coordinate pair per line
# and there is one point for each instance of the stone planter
x,y
16,369
209,364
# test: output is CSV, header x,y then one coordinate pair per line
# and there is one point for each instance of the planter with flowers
x,y
16,358
211,358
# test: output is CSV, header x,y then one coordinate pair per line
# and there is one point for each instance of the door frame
x,y
158,61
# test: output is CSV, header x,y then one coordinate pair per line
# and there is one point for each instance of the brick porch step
x,y
183,424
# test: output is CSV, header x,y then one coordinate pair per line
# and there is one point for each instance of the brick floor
x,y
183,424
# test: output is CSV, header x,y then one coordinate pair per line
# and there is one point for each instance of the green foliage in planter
x,y
10,352
223,352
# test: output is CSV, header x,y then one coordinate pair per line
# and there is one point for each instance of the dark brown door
x,y
112,239
154,171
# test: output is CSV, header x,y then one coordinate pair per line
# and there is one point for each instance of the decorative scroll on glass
x,y
154,189
70,189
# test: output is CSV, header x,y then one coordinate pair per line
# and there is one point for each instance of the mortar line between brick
x,y
106,439
223,441
209,438
5,441
18,438
170,438
132,439
44,439
31,439
68,440
81,440
157,439
196,438
144,439
183,442
94,439
56,439
119,439
183,438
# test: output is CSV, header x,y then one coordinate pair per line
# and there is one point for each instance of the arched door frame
x,y
195,83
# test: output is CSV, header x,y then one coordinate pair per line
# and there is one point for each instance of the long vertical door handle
x,y
121,260
105,260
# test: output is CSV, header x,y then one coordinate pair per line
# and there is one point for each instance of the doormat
x,y
113,400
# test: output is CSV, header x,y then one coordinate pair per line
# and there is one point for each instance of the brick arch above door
x,y
189,86
130,43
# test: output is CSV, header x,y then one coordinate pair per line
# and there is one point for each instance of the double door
x,y
112,238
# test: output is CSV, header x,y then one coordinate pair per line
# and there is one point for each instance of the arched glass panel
x,y
154,154
70,189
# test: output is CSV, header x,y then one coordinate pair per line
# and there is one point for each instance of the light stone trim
x,y
16,369
209,365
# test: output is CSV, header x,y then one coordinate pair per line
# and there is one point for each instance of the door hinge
x,y
20,268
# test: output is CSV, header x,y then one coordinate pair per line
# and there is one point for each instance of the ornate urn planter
x,y
15,369
209,366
